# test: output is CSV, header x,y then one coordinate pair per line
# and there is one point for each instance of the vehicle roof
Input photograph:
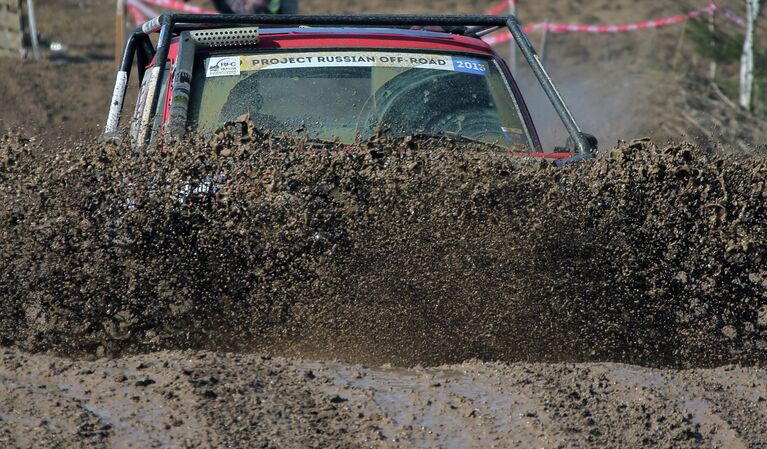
x,y
306,37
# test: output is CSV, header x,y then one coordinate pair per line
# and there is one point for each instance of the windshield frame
x,y
187,57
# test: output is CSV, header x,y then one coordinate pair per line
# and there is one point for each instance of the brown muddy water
x,y
400,252
396,252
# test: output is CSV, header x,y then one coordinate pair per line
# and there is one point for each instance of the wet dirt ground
x,y
202,399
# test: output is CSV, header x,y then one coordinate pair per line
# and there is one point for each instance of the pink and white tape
x,y
140,11
504,6
711,8
180,6
138,18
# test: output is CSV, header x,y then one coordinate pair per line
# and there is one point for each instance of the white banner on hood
x,y
273,61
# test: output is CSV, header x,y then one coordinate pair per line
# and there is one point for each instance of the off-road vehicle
x,y
335,78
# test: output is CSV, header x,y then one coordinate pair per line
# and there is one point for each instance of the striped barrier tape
x,y
572,28
732,17
140,10
138,18
504,6
180,6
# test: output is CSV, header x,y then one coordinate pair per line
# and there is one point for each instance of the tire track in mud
x,y
397,251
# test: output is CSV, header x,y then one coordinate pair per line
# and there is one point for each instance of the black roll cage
x,y
140,46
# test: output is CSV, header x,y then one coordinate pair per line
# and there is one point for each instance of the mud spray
x,y
400,251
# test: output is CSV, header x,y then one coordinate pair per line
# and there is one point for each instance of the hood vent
x,y
226,37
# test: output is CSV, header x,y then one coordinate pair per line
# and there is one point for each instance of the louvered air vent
x,y
226,37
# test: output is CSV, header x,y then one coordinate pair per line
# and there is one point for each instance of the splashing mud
x,y
404,252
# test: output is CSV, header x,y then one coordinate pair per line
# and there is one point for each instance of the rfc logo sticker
x,y
223,66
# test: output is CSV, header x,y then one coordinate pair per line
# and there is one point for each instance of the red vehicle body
x,y
161,112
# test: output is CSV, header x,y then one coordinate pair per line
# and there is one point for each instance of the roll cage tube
x,y
138,44
167,24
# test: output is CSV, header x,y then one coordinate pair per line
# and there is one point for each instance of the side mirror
x,y
590,142
591,145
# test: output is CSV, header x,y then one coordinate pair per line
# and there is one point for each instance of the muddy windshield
x,y
346,96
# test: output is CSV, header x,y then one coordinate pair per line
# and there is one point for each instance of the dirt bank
x,y
201,399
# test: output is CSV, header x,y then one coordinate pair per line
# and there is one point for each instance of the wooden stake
x,y
33,29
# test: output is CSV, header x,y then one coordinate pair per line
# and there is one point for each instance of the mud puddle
x,y
430,407
203,399
533,405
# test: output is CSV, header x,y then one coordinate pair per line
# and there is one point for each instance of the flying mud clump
x,y
395,251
